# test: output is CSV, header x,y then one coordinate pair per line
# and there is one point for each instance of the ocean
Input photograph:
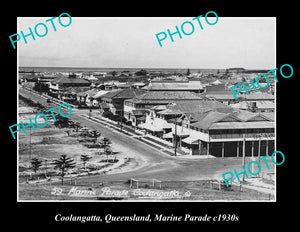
x,y
91,70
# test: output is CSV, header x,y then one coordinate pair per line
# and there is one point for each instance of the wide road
x,y
153,163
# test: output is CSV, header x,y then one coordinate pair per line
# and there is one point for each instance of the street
x,y
152,162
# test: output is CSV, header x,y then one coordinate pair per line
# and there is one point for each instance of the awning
x,y
191,140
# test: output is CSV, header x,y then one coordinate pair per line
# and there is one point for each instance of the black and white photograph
x,y
146,109
146,115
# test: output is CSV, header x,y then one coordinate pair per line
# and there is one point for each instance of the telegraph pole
x,y
29,144
175,149
121,119
244,154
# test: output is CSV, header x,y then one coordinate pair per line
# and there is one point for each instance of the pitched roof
x,y
209,119
123,93
202,106
89,92
174,85
219,120
100,93
259,105
242,125
270,115
166,95
68,80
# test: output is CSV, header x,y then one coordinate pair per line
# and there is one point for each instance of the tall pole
x,y
29,143
46,167
121,118
259,144
244,154
175,149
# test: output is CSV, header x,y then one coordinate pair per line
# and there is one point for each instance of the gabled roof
x,y
100,93
259,105
174,85
269,115
123,93
242,125
166,95
201,106
68,80
209,119
90,93
248,116
219,120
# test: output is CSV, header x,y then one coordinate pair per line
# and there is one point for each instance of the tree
x,y
41,87
105,144
35,164
61,122
188,72
107,114
94,134
141,72
85,158
113,73
63,164
77,126
108,152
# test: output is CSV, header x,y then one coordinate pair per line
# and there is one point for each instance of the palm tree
x,y
106,142
108,151
36,164
85,158
77,126
95,134
64,163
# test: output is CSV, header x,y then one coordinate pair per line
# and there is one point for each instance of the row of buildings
x,y
197,116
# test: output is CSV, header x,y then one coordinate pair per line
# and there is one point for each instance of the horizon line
x,y
137,67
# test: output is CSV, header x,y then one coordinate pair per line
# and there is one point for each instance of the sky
x,y
117,42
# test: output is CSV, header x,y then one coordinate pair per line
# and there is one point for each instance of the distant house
x,y
88,97
155,98
115,99
59,84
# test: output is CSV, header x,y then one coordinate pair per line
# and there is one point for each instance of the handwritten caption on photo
x,y
111,193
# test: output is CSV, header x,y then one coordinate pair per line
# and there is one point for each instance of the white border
x,y
183,201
